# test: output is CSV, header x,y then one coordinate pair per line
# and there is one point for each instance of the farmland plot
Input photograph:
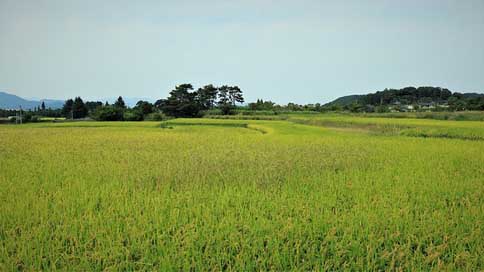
x,y
199,194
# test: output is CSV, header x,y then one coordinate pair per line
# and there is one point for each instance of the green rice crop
x,y
213,194
457,116
469,130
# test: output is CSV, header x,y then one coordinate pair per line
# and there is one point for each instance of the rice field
x,y
465,130
306,193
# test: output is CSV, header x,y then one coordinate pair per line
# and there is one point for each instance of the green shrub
x,y
212,112
27,117
156,116
108,113
133,115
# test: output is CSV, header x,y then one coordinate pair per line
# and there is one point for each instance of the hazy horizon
x,y
284,51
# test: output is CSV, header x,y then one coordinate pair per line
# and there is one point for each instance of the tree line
x,y
421,98
435,97
183,101
31,115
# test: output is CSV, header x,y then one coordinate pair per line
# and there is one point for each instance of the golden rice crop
x,y
211,195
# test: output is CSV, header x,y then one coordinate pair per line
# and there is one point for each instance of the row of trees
x,y
471,103
261,105
182,101
77,109
408,95
34,112
424,96
41,110
409,99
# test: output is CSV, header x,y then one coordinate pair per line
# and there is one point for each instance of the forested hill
x,y
345,100
411,96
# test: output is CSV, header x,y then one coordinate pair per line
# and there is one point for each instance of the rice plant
x,y
220,195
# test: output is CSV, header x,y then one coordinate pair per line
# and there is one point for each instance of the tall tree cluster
x,y
75,109
229,96
184,102
262,105
407,95
439,98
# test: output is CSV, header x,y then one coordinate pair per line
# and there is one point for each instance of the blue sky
x,y
285,51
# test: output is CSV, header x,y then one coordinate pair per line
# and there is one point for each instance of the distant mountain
x,y
11,101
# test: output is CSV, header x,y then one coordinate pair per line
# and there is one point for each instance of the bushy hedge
x,y
108,113
133,115
156,116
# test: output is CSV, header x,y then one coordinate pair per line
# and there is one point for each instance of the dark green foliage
x,y
67,108
39,112
74,109
262,105
79,109
296,107
421,98
7,113
120,103
26,117
93,105
408,95
108,113
133,115
229,96
476,103
224,102
207,96
235,95
156,116
144,107
272,108
356,107
181,102
382,109
343,101
117,112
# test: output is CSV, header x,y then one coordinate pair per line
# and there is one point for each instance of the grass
x,y
456,116
212,194
247,117
52,119
468,130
